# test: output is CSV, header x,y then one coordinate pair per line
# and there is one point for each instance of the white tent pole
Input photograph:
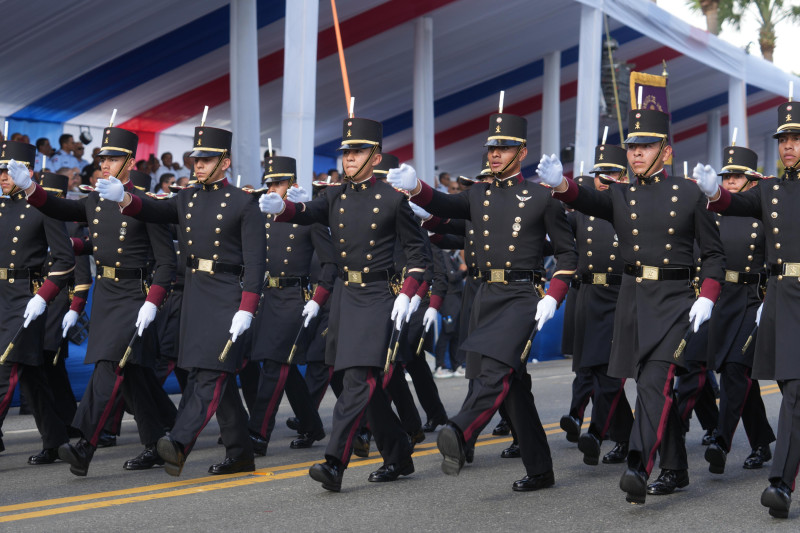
x,y
551,104
300,86
714,139
244,91
588,101
424,148
737,109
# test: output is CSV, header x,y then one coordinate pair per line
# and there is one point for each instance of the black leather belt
x,y
285,281
475,272
659,273
121,273
744,278
785,269
210,266
499,275
356,276
18,273
601,278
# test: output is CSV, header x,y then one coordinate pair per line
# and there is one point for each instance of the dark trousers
x,y
362,394
141,392
611,412
318,377
210,392
276,378
786,460
249,378
498,384
166,366
33,384
657,427
582,387
448,340
426,389
695,392
740,397
398,393
63,397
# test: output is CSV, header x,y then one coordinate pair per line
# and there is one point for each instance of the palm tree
x,y
770,13
710,9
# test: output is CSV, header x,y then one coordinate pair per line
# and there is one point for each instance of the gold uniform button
x,y
341,241
369,257
521,204
267,225
638,280
372,243
97,209
486,233
291,236
188,229
95,221
471,232
775,187
671,231
13,252
188,216
373,226
675,187
118,264
215,257
515,234
666,261
673,214
668,247
366,269
635,247
341,209
753,235
774,201
285,262
589,228
377,196
589,253
227,195
191,204
489,264
95,249
15,239
777,245
633,189
511,248
508,264
774,214
342,225
375,210
485,217
288,248
223,204
752,246
591,267
344,254
94,235
488,192
749,257
588,241
344,197
591,218
189,243
635,231
485,246
634,216
122,238
517,220
633,202
216,243
119,250
674,199
747,269
638,263
775,230
612,257
486,202
219,217
755,224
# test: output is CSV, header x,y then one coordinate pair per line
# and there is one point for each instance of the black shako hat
x,y
609,158
118,142
647,126
279,168
140,180
358,133
738,160
211,142
58,184
507,130
388,162
23,152
788,119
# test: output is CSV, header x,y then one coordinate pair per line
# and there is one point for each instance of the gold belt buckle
x,y
3,273
109,272
732,276
205,265
599,279
791,269
354,276
273,282
497,275
650,273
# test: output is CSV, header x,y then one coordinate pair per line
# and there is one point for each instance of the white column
x,y
714,142
424,148
587,119
244,92
551,104
300,86
737,111
769,157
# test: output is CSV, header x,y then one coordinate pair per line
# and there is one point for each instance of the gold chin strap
x,y
371,153
646,173
219,162
500,172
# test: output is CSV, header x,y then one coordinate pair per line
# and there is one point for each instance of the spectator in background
x,y
88,170
25,139
74,177
334,174
454,187
154,169
77,153
166,179
444,183
16,136
43,149
183,181
186,170
141,165
64,158
94,176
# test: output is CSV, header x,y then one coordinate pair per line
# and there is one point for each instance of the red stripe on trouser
x,y
348,446
13,379
212,408
613,409
276,397
662,423
170,369
325,387
701,382
101,424
485,416
387,377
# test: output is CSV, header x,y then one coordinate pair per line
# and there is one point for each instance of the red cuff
x,y
436,301
425,195
436,238
249,302
77,245
289,210
410,286
422,291
133,208
321,295
77,304
38,197
431,223
558,289
570,194
710,289
156,295
48,290
722,203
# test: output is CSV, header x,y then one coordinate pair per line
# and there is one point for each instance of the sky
x,y
787,49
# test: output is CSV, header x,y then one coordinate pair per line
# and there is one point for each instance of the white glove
x,y
550,170
700,312
147,313
404,177
34,309
400,310
270,203
413,306
297,194
758,314
20,174
421,213
111,189
706,179
310,311
241,321
546,309
70,319
431,316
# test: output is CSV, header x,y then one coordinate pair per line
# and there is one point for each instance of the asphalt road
x,y
281,497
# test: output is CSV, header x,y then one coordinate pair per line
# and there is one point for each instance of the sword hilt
x,y
526,351
679,351
55,359
421,344
224,355
124,359
8,351
291,354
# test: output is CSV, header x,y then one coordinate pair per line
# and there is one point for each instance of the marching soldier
x,y
121,249
24,294
222,231
510,219
730,352
288,307
365,217
774,202
657,220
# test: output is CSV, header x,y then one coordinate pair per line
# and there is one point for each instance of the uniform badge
x,y
523,198
349,134
601,157
516,226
